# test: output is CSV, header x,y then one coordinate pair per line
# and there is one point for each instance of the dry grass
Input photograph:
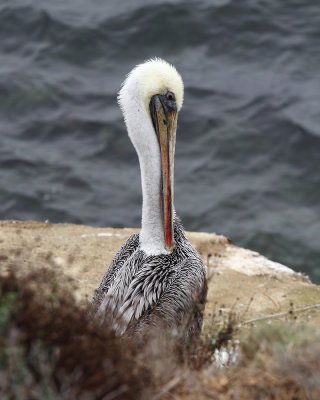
x,y
50,350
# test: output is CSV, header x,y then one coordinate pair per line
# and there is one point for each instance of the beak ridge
x,y
164,118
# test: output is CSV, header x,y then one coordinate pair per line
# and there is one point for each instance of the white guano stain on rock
x,y
252,263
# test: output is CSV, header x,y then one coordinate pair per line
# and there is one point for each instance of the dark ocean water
x,y
248,146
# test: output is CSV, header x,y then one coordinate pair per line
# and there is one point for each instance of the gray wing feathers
x,y
167,290
144,291
182,302
126,250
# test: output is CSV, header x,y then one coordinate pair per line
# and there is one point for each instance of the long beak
x,y
164,118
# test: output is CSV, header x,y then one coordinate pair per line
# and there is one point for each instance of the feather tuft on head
x,y
154,76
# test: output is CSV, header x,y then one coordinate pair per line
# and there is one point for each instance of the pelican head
x,y
150,99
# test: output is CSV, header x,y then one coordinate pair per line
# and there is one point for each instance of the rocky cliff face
x,y
240,281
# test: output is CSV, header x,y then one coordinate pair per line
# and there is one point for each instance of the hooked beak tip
x,y
169,248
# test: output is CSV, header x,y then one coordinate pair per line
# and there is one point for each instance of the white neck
x,y
152,229
145,141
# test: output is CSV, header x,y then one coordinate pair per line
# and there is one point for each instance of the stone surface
x,y
240,280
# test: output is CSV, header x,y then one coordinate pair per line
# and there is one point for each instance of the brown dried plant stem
x,y
280,314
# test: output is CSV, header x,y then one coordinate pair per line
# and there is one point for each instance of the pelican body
x,y
157,277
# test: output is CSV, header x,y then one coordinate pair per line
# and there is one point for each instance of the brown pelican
x,y
157,277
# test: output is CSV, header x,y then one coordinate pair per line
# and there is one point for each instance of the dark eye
x,y
170,96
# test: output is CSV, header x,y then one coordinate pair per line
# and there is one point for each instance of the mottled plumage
x,y
141,289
